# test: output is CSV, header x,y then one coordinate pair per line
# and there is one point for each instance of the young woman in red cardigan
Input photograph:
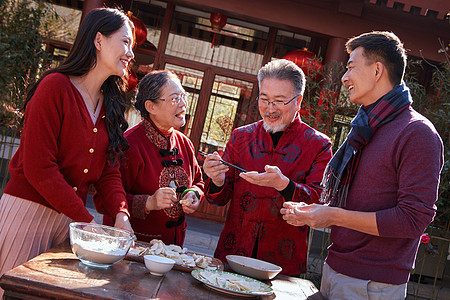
x,y
160,169
72,137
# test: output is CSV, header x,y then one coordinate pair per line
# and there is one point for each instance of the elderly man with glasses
x,y
285,160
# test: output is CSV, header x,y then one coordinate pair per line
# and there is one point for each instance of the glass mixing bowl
x,y
99,245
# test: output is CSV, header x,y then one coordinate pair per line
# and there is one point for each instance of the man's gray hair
x,y
283,69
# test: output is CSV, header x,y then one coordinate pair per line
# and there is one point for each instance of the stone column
x,y
330,87
336,50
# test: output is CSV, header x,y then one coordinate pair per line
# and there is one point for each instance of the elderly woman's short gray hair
x,y
150,88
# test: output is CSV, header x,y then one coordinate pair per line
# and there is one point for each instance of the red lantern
x,y
140,31
132,81
306,60
218,21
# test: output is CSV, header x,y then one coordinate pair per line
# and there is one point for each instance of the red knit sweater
x,y
62,153
398,178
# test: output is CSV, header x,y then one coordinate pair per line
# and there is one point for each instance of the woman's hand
x,y
162,198
190,202
215,169
123,222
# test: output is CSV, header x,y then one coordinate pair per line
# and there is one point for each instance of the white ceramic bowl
x,y
253,267
158,265
99,245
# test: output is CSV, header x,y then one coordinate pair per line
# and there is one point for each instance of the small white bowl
x,y
253,267
158,265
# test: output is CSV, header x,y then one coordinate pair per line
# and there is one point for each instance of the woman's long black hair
x,y
83,57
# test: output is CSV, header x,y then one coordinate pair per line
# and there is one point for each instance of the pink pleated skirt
x,y
27,229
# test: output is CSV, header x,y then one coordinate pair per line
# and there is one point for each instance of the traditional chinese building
x,y
217,48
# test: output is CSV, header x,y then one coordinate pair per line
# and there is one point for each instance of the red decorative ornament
x,y
305,110
140,31
323,113
425,239
218,21
132,81
306,60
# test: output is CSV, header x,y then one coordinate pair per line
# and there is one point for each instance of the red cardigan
x,y
62,153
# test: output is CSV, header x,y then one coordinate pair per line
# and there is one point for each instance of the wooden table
x,y
58,274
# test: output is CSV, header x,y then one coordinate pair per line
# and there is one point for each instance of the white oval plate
x,y
263,291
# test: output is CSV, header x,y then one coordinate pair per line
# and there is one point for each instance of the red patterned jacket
x,y
302,154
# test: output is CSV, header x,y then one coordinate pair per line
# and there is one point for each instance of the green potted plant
x,y
22,54
22,60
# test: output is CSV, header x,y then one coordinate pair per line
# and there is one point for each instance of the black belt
x,y
175,162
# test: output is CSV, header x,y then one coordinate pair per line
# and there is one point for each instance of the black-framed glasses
x,y
276,103
177,99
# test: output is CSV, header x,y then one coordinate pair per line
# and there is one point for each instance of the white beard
x,y
273,129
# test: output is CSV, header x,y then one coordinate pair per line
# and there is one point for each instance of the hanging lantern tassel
x,y
212,42
213,50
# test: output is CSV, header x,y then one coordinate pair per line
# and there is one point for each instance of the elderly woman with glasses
x,y
160,173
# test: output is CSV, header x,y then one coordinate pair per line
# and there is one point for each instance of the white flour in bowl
x,y
100,252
